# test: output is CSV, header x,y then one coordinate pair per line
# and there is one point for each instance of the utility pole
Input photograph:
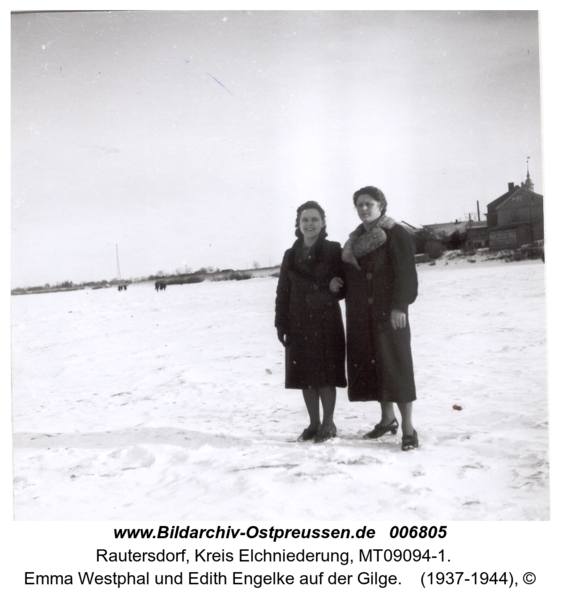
x,y
118,266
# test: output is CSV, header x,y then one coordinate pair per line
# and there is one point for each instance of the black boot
x,y
380,430
325,433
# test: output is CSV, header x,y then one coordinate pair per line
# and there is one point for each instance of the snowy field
x,y
171,406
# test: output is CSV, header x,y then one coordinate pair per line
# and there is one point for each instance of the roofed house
x,y
516,217
452,236
477,235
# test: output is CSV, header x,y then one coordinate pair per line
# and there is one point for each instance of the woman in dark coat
x,y
308,320
380,283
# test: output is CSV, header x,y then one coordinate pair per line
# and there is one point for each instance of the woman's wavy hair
x,y
375,194
301,209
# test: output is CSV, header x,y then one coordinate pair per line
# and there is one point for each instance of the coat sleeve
x,y
405,271
338,269
282,304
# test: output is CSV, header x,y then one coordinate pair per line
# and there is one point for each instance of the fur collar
x,y
362,242
313,268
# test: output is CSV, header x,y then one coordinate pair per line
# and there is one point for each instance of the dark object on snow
x,y
457,407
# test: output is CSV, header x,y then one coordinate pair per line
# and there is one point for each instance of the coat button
x,y
370,300
368,275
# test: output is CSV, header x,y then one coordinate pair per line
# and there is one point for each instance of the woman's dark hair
x,y
375,194
306,206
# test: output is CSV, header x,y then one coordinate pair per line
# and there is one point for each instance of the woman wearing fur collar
x,y
309,322
380,282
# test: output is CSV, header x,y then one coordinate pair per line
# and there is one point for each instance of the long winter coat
x,y
379,361
310,314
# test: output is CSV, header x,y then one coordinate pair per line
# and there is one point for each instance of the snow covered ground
x,y
171,406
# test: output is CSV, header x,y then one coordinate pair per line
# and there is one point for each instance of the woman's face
x,y
311,224
367,208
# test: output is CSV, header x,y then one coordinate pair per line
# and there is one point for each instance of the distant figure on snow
x,y
309,322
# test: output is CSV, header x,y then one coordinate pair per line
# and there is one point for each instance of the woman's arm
x,y
282,303
405,271
337,284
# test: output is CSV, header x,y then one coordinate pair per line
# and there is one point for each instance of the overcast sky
x,y
190,138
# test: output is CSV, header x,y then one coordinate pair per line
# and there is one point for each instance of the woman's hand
x,y
398,318
336,284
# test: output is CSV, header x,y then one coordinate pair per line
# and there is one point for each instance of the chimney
x,y
511,186
478,215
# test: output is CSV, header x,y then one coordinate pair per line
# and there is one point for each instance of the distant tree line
x,y
199,275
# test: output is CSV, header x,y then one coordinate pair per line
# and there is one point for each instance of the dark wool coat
x,y
379,361
311,316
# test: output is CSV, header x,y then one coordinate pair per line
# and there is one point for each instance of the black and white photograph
x,y
278,265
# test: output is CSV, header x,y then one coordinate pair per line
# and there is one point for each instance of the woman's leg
x,y
406,410
311,398
328,396
388,414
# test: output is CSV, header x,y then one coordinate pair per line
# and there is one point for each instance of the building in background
x,y
449,236
477,235
516,217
